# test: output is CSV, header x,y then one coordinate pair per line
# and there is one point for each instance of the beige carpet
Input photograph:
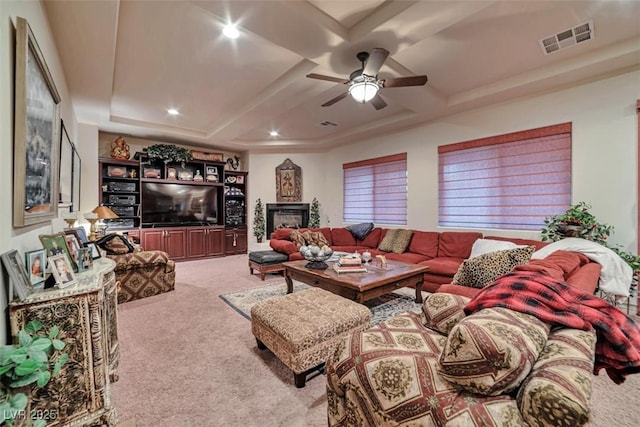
x,y
188,359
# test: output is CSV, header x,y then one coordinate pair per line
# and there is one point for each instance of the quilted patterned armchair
x,y
143,274
496,367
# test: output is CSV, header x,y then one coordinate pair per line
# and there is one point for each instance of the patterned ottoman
x,y
266,262
303,328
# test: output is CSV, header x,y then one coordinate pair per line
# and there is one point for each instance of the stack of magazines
x,y
349,264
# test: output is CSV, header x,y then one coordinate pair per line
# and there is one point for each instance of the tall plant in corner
x,y
259,228
314,214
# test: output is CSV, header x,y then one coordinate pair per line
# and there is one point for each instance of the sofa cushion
x,y
443,311
283,246
396,240
407,257
315,238
342,237
281,234
480,271
457,244
425,243
372,240
520,242
560,382
485,246
492,351
443,266
361,230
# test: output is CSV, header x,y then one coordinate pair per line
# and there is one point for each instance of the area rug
x,y
382,308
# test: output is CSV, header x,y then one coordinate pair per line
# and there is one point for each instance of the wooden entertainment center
x,y
190,212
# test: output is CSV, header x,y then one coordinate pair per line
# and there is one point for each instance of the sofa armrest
x,y
586,277
143,259
283,246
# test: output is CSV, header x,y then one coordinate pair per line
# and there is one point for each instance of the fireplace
x,y
287,215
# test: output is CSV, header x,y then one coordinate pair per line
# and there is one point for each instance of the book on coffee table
x,y
341,269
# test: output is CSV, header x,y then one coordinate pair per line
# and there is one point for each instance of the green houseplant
x,y
258,221
314,214
168,153
35,359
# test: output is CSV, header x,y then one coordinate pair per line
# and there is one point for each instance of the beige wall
x,y
22,239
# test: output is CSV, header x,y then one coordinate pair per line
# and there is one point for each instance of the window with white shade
x,y
375,190
510,181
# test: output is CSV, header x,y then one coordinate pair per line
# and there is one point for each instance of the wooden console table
x,y
87,317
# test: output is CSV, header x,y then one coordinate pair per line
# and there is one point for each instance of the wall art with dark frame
x,y
36,133
69,177
288,182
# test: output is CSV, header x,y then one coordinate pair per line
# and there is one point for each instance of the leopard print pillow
x,y
480,271
315,238
297,238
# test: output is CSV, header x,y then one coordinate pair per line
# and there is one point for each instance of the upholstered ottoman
x,y
266,262
303,328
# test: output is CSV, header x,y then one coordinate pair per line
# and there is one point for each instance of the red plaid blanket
x,y
555,302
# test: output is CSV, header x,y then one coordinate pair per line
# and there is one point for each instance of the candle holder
x,y
93,234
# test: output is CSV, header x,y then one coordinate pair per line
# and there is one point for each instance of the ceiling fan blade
x,y
375,61
336,99
377,102
327,78
405,81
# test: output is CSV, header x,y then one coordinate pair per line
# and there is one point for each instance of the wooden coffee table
x,y
359,287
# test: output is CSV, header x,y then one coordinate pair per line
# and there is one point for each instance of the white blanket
x,y
616,274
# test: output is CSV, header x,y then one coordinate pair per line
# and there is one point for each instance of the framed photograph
x,y
185,175
288,182
117,171
74,249
36,134
151,173
85,260
36,262
19,281
95,252
240,179
62,271
172,173
56,244
80,233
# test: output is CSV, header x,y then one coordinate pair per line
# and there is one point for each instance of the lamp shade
x,y
363,91
104,212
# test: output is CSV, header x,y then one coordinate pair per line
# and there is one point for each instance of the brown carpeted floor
x,y
188,359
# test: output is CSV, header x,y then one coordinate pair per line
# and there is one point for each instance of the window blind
x,y
375,190
511,181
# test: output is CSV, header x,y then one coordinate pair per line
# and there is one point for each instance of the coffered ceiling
x,y
127,62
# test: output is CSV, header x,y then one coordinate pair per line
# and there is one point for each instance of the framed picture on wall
x,y
36,134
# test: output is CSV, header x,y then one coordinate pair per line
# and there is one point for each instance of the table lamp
x,y
99,213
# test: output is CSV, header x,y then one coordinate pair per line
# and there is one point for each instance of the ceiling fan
x,y
364,85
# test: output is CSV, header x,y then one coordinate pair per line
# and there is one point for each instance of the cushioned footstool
x,y
303,328
266,262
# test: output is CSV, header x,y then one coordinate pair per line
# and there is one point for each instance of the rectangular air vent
x,y
326,123
567,38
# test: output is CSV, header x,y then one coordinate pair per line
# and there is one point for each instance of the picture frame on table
x,y
36,133
80,233
18,278
36,264
95,252
74,248
85,260
56,244
62,271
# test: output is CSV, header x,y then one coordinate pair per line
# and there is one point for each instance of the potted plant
x,y
33,361
168,153
258,221
314,214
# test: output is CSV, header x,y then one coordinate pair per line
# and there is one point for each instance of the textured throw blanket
x,y
555,302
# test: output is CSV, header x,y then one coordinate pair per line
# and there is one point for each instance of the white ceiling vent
x,y
567,38
326,124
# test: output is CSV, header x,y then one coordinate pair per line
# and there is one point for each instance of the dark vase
x,y
259,239
570,230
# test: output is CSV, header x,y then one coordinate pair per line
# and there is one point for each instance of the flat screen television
x,y
173,204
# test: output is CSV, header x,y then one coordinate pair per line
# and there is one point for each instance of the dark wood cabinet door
x,y
235,241
242,241
196,242
176,243
153,239
215,241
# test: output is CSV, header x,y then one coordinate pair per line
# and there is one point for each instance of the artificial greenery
x,y
577,221
258,221
168,153
314,214
35,359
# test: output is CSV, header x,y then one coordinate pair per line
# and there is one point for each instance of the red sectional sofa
x,y
443,252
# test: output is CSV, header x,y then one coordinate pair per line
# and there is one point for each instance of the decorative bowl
x,y
316,256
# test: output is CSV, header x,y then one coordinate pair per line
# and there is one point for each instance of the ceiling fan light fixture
x,y
364,91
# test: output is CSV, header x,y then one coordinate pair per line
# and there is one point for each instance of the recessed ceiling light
x,y
231,31
274,133
173,111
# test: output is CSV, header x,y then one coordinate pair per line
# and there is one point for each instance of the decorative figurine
x,y
120,149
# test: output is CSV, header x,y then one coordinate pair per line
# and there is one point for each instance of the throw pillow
x,y
485,246
315,238
360,231
443,311
492,351
396,240
480,271
297,238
